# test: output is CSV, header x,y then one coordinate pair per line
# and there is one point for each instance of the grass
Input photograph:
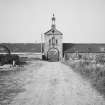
x,y
12,82
10,86
95,73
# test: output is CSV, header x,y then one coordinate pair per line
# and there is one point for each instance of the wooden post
x,y
41,45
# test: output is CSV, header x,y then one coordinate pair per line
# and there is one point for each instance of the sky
x,y
80,21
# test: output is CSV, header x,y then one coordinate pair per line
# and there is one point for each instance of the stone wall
x,y
90,56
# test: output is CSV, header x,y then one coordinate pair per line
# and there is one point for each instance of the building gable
x,y
53,32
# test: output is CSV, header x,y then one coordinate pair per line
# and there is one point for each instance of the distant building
x,y
68,50
84,49
53,43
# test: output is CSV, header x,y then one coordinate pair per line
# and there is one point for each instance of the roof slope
x,y
23,47
67,47
84,48
53,31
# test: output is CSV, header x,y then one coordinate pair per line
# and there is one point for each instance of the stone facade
x,y
53,41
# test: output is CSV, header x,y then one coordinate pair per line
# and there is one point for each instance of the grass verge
x,y
95,73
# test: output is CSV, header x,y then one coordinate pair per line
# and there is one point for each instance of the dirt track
x,y
55,84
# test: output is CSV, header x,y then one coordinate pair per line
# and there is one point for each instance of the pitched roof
x,y
23,47
84,48
67,47
53,31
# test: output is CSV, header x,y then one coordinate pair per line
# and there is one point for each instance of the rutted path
x,y
56,84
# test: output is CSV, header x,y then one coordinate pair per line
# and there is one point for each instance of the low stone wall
x,y
73,56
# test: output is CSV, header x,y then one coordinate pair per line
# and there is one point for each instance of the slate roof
x,y
23,47
83,48
67,47
53,31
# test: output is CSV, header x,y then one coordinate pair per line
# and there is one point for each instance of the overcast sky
x,y
80,21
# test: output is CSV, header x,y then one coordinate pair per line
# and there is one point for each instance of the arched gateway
x,y
53,54
53,43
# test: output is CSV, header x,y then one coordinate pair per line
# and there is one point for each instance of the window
x,y
53,41
56,42
50,42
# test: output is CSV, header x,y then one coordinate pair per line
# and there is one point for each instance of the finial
x,y
53,21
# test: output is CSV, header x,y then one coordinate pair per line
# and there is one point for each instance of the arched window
x,y
50,42
53,41
56,42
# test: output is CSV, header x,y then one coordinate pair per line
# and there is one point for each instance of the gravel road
x,y
54,84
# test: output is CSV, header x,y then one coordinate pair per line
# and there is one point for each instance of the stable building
x,y
78,50
53,49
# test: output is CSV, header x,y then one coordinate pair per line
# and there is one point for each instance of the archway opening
x,y
53,54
